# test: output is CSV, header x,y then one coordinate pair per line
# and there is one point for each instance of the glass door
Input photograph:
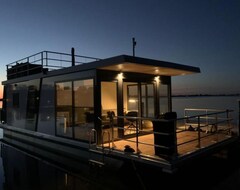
x,y
109,111
138,102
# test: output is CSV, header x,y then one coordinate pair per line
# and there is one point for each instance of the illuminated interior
x,y
139,99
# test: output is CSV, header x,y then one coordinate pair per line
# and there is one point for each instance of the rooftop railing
x,y
44,61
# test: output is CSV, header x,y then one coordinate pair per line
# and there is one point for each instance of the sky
x,y
200,33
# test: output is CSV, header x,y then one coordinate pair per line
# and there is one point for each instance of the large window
x,y
147,100
75,115
22,104
164,98
64,109
83,108
132,95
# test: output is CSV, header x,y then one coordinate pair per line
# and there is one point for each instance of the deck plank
x,y
146,147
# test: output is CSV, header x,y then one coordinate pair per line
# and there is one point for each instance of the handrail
x,y
214,113
50,52
46,60
94,133
217,119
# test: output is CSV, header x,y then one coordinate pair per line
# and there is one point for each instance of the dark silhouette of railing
x,y
165,133
44,61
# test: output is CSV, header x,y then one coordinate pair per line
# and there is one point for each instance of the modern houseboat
x,y
105,112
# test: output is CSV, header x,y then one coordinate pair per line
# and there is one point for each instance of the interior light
x,y
120,76
157,78
132,101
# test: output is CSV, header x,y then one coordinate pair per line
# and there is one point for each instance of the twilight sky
x,y
201,33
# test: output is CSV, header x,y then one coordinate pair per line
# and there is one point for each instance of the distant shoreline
x,y
205,95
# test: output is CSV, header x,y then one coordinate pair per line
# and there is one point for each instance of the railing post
x,y
175,139
185,120
207,120
46,58
137,121
228,121
42,58
112,128
216,126
199,136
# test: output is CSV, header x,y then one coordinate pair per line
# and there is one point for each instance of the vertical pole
x,y
199,136
73,57
46,58
97,106
175,153
156,96
112,115
216,126
139,115
228,122
170,94
134,43
42,58
120,106
42,61
73,110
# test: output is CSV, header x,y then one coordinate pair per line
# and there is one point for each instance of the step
x,y
96,163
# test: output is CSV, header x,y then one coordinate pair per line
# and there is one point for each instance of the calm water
x,y
211,102
22,171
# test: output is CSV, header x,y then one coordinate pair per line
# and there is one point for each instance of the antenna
x,y
134,43
73,56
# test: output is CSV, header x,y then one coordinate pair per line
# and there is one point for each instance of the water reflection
x,y
1,174
22,171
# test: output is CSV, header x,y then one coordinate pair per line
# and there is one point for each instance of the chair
x,y
132,121
89,117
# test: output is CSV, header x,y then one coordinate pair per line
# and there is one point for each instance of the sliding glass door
x,y
138,102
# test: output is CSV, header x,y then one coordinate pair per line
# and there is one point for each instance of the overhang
x,y
124,63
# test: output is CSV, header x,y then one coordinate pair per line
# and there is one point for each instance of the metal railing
x,y
207,116
218,120
45,60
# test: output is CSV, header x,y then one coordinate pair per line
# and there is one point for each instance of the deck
x,y
179,140
187,142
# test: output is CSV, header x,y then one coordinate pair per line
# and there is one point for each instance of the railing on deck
x,y
207,116
178,142
44,61
209,121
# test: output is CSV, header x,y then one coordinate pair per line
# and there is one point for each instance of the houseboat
x,y
106,112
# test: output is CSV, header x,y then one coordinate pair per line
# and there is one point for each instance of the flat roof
x,y
121,63
125,63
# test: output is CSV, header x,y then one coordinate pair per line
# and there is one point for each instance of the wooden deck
x,y
187,142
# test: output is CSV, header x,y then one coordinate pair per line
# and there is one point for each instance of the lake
x,y
210,102
20,170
